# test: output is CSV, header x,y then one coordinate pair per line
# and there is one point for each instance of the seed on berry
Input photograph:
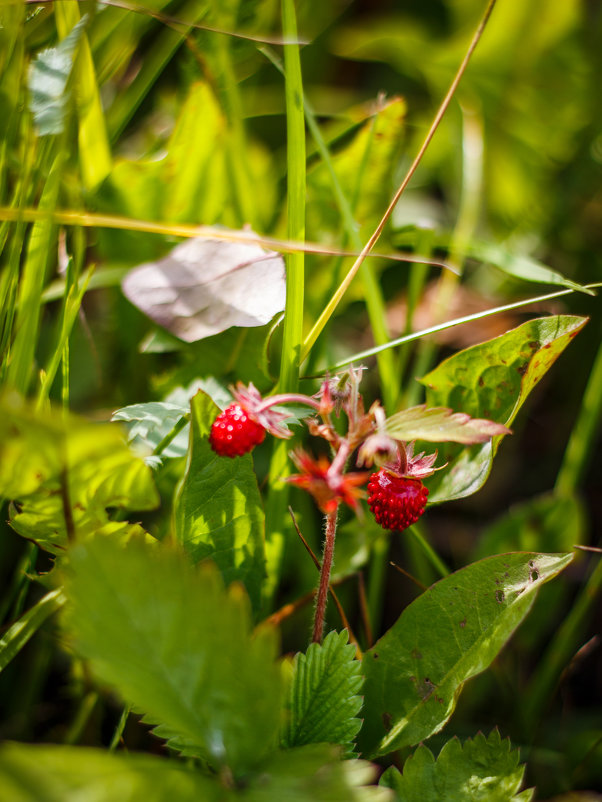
x,y
396,501
234,433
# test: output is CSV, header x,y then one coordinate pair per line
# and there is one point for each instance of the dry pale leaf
x,y
204,286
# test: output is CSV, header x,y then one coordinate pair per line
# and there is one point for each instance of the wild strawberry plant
x,y
205,579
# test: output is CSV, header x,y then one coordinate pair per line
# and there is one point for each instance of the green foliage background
x,y
124,113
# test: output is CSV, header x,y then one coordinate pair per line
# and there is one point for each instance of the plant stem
x,y
376,579
117,735
82,717
330,307
431,554
327,555
171,435
295,262
292,336
417,335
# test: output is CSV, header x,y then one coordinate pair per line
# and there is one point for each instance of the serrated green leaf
x,y
218,511
17,635
323,698
492,380
151,422
178,647
415,673
34,773
480,770
441,425
50,461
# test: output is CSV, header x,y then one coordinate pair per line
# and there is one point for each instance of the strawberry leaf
x,y
480,770
48,82
149,423
218,512
323,699
415,673
49,773
178,647
440,425
492,380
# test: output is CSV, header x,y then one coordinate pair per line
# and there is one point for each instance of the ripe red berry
x,y
396,501
234,433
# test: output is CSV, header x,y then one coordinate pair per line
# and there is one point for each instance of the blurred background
x,y
194,131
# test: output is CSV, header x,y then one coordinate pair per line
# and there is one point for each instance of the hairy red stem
x,y
331,529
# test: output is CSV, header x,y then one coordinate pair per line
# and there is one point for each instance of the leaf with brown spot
x,y
457,627
492,380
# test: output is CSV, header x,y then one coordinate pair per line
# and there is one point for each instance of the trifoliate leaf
x,y
218,512
323,699
178,647
416,671
480,770
151,422
441,425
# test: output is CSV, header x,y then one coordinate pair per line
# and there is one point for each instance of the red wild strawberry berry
x,y
234,433
396,501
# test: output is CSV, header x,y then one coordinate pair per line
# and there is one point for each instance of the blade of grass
x,y
295,263
236,146
464,228
71,309
9,284
334,301
416,335
94,150
92,220
374,299
440,567
15,638
177,22
417,280
19,581
118,734
165,45
39,249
